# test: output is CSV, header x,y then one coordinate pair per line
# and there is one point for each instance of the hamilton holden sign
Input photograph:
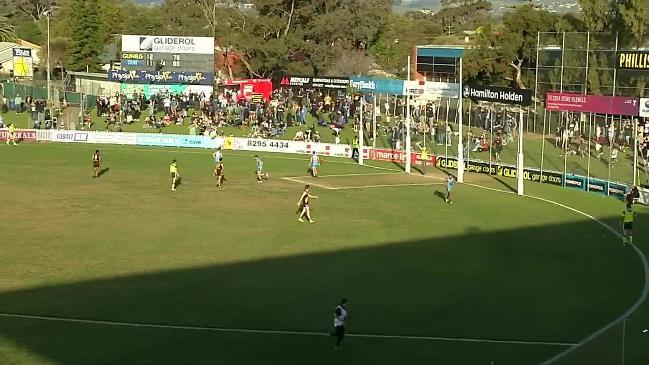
x,y
498,94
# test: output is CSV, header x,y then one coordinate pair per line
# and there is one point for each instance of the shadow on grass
x,y
481,284
103,171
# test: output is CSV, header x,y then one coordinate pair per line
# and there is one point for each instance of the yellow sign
x,y
228,143
633,60
23,62
132,56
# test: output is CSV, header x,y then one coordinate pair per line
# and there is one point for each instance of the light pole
x,y
47,14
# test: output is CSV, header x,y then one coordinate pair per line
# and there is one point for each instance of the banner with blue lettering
x,y
373,85
162,77
171,140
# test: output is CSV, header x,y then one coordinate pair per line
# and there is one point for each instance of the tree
x,y
635,17
86,37
7,32
34,9
461,13
502,52
398,36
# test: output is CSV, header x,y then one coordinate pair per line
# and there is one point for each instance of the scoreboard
x,y
178,62
165,60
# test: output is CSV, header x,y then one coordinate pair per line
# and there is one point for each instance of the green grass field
x,y
124,248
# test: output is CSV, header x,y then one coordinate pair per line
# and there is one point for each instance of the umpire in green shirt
x,y
627,224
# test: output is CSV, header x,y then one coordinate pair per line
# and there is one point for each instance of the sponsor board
x,y
21,135
171,140
161,77
644,196
167,44
337,83
483,167
495,94
386,154
70,136
617,190
644,107
614,105
575,181
436,90
597,186
23,63
632,60
374,85
113,138
391,155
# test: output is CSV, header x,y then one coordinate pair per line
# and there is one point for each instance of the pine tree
x,y
86,36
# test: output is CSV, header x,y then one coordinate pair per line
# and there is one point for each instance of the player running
x,y
260,170
96,163
175,175
11,134
218,158
303,205
628,216
449,186
219,175
314,164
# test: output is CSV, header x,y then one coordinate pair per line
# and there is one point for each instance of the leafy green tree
x,y
397,38
7,31
86,37
502,52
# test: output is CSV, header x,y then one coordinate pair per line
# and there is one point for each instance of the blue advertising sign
x,y
163,140
162,77
597,186
617,190
575,181
372,85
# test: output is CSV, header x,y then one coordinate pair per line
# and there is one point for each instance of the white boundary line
x,y
384,186
207,152
346,175
274,332
628,313
308,183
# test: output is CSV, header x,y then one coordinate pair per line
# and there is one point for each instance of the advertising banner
x,y
70,136
336,83
597,186
21,135
483,167
23,62
644,196
615,105
436,90
167,44
432,90
112,138
386,154
616,190
644,107
379,86
162,77
390,155
171,140
495,94
575,181
632,60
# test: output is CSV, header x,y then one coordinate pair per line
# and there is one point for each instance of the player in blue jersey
x,y
450,181
314,164
261,175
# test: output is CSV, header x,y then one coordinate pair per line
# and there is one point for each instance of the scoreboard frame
x,y
175,62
